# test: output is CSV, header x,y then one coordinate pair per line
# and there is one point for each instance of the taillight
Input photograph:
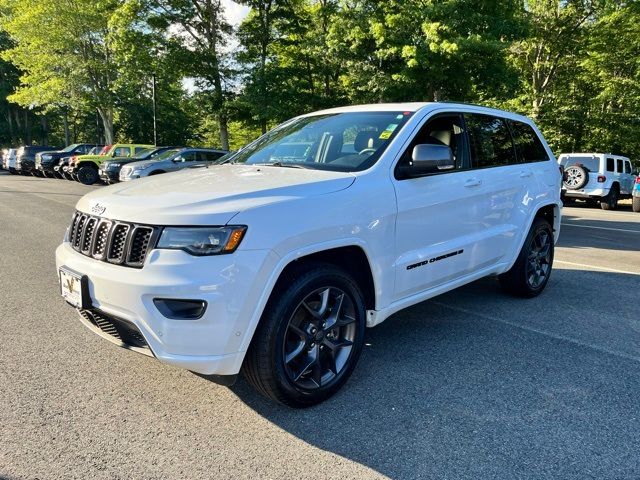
x,y
602,179
638,179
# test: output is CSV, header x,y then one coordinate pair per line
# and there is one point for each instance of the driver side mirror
x,y
428,158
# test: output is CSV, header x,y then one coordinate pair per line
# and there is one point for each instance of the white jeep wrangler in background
x,y
275,262
597,178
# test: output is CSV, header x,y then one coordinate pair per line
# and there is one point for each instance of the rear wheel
x,y
610,202
88,175
309,338
529,275
636,204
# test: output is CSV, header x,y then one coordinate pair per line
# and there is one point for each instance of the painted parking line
x,y
595,267
564,224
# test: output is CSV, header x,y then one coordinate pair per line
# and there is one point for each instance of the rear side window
x,y
611,165
627,166
620,167
490,141
137,150
528,144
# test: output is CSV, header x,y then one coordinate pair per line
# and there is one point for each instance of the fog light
x,y
178,309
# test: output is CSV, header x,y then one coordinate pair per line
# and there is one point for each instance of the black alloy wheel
x,y
319,338
309,338
531,271
539,259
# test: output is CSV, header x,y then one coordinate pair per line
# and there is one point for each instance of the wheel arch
x,y
334,253
551,212
86,163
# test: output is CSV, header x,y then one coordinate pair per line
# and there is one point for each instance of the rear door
x,y
509,187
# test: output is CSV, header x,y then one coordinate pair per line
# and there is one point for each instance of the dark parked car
x,y
46,161
110,170
26,158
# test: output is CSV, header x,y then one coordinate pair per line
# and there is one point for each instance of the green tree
x,y
199,31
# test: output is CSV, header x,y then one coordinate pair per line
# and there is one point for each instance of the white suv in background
x,y
597,177
275,262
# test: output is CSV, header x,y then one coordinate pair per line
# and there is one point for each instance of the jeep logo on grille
x,y
98,209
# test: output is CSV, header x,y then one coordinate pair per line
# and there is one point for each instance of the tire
x,y
287,326
87,175
610,202
635,205
528,276
575,177
12,171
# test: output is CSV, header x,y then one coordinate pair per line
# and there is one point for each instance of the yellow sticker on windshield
x,y
385,135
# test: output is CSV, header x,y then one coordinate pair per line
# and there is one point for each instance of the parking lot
x,y
473,384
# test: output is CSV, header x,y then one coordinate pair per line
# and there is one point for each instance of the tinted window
x,y
528,144
627,167
442,130
187,157
610,165
208,156
620,168
490,141
137,150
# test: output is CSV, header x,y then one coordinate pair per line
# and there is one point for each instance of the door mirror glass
x,y
428,158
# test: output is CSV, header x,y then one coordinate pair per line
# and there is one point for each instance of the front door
x,y
439,217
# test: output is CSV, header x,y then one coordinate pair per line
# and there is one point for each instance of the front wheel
x,y
309,338
88,175
530,274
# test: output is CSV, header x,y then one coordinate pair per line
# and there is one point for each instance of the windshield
x,y
167,155
70,148
143,154
345,142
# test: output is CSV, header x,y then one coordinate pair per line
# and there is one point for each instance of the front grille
x,y
120,329
115,242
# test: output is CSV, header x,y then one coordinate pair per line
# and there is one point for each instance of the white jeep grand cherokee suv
x,y
597,177
275,262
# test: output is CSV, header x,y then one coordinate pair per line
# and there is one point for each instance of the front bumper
x,y
230,284
109,175
46,167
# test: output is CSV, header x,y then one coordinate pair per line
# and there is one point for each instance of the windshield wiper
x,y
281,164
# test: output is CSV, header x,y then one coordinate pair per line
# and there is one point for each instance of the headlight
x,y
202,240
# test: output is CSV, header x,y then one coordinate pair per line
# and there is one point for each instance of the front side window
x,y
447,129
122,152
490,141
627,166
620,167
528,144
349,142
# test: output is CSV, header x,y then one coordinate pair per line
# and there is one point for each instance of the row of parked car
x,y
597,178
90,163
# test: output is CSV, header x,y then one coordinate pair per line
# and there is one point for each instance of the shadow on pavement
x,y
445,393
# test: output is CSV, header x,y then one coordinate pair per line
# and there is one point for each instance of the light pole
x,y
155,125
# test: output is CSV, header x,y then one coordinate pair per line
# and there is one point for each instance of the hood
x,y
209,196
141,164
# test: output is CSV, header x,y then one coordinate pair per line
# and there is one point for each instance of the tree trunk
x,y
45,130
224,131
106,114
67,133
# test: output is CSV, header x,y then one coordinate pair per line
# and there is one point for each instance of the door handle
x,y
526,173
473,182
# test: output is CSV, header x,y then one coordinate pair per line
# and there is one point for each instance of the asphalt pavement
x,y
473,384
